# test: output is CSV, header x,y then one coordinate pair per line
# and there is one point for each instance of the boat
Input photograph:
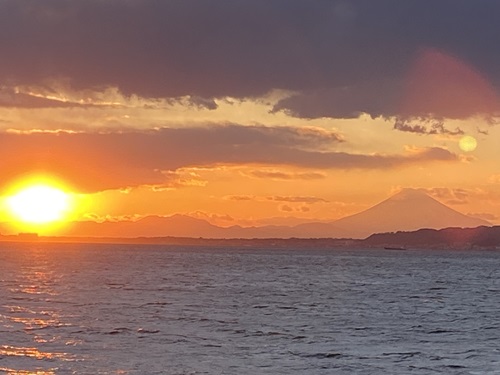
x,y
394,248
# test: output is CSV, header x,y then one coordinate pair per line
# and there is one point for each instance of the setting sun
x,y
39,204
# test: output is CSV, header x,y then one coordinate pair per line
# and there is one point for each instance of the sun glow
x,y
39,204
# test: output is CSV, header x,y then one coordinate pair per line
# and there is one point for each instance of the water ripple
x,y
114,309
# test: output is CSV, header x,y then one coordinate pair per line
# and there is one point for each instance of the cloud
x,y
425,127
212,218
348,101
240,198
494,179
341,58
485,216
298,199
287,208
203,103
160,49
452,196
288,199
10,97
178,179
274,174
436,85
99,161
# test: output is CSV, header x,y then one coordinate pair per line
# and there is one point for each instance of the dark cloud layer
x,y
98,161
355,55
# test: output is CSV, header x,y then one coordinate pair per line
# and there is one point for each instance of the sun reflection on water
x,y
10,371
7,350
33,318
38,320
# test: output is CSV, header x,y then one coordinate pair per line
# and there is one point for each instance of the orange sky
x,y
298,119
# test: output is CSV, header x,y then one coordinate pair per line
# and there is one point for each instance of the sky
x,y
251,112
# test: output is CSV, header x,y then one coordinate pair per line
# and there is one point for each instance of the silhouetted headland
x,y
451,238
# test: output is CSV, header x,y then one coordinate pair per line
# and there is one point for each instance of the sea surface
x,y
126,309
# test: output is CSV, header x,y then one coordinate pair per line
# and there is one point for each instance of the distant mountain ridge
x,y
408,210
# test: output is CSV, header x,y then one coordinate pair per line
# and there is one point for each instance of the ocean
x,y
128,309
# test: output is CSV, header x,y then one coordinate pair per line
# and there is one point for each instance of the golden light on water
x,y
467,143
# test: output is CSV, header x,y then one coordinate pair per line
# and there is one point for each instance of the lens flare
x,y
467,143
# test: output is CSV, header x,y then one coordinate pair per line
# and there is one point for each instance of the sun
x,y
39,204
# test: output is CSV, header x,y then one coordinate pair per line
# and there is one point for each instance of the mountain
x,y
408,210
149,226
174,226
322,230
